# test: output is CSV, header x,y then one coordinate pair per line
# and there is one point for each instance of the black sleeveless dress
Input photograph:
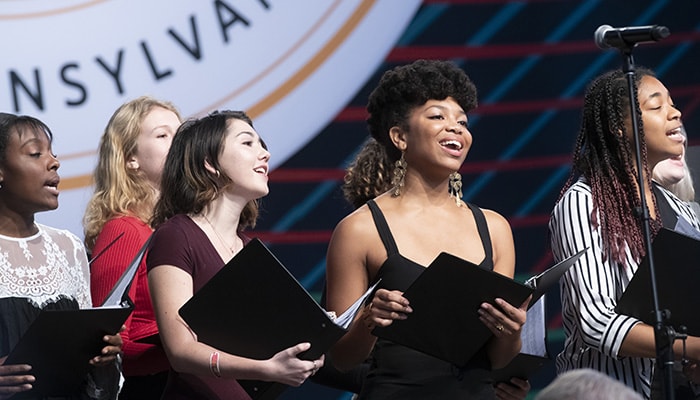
x,y
398,372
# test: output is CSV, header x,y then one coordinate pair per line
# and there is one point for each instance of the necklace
x,y
221,240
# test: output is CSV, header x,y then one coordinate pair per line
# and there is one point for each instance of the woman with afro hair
x,y
418,114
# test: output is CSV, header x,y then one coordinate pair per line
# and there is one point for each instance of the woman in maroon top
x,y
214,173
127,183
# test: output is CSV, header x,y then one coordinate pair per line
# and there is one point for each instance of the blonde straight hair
x,y
119,190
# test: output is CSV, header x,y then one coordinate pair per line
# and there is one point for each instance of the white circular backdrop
x,y
292,65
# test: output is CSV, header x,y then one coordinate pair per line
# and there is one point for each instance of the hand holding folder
x,y
254,307
445,299
533,354
60,343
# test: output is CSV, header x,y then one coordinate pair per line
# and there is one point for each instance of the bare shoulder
x,y
350,237
497,223
355,223
346,260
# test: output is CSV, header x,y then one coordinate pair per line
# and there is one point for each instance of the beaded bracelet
x,y
214,364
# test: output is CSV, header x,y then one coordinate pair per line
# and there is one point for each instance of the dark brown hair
x,y
186,185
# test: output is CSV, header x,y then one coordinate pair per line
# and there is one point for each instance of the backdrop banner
x,y
292,65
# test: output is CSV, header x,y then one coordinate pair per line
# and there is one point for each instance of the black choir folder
x,y
60,343
445,299
254,307
675,262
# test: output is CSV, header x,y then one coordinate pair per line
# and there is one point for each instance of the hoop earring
x,y
218,174
455,187
399,174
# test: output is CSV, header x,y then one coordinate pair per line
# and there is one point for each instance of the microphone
x,y
606,36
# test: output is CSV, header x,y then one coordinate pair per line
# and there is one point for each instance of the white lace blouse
x,y
48,270
45,267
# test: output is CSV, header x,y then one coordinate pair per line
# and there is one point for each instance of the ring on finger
x,y
499,327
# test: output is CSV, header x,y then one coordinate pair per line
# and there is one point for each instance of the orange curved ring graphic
x,y
282,91
47,13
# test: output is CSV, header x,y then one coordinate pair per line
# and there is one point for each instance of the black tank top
x,y
398,372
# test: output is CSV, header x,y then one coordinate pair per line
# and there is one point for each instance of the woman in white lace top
x,y
40,267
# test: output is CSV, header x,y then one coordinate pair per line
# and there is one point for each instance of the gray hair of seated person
x,y
586,384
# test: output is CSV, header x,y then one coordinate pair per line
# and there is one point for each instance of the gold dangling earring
x,y
399,175
455,187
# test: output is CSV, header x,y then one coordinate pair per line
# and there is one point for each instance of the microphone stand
x,y
664,335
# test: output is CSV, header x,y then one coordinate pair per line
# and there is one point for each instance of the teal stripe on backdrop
x,y
566,26
424,19
578,85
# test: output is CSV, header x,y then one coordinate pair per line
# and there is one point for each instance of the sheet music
x,y
684,227
533,332
556,270
346,318
120,292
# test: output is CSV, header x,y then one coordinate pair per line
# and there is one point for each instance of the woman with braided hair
x,y
41,267
595,210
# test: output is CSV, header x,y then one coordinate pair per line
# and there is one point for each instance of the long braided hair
x,y
606,159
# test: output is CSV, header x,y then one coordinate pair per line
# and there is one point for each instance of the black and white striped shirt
x,y
591,288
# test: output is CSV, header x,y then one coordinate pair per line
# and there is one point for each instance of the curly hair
x,y
186,185
369,174
605,158
405,87
120,190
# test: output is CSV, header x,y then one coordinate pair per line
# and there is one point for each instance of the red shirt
x,y
139,358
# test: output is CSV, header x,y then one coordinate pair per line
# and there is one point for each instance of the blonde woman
x,y
674,174
127,180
